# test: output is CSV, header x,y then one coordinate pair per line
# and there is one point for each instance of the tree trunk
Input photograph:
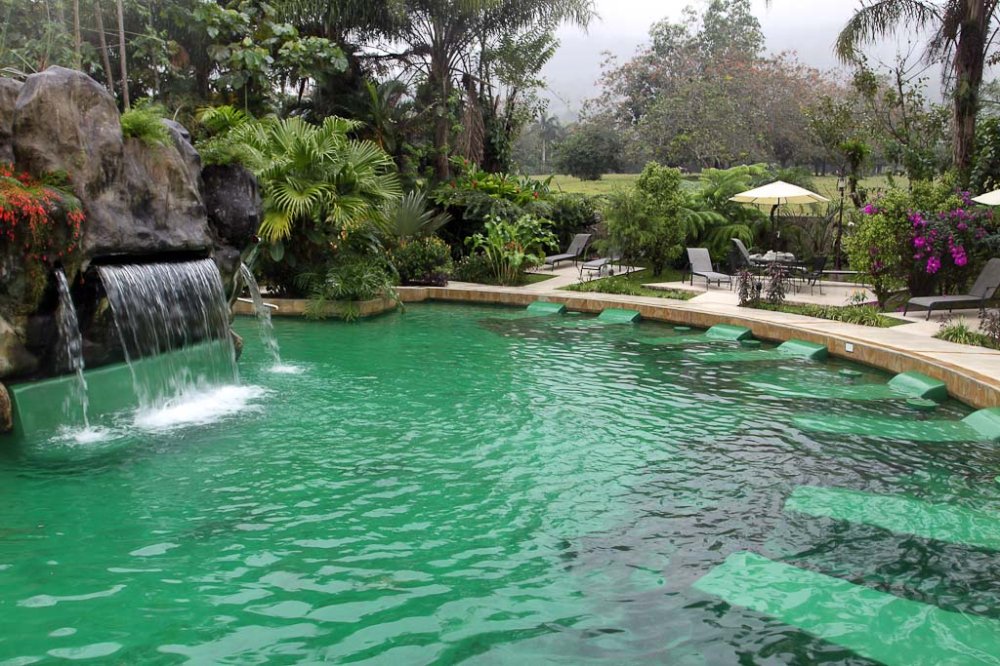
x,y
440,80
109,77
970,54
77,59
121,49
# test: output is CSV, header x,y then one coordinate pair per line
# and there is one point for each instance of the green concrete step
x,y
873,624
905,385
790,349
546,308
980,426
903,515
619,316
728,332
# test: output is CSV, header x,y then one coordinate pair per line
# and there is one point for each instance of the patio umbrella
x,y
777,193
988,199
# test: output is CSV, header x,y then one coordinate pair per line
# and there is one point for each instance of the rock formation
x,y
141,203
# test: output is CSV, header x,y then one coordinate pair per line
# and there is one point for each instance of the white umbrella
x,y
777,193
988,199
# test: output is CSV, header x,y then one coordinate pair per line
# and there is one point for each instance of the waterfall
x,y
71,349
263,315
171,307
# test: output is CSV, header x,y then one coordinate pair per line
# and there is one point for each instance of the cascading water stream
x,y
71,349
263,315
171,307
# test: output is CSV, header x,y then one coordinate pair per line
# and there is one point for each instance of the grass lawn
x,y
825,185
634,284
534,278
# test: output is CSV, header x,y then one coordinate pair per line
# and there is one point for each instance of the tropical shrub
x,y
424,260
326,196
572,214
929,238
220,144
38,217
474,196
352,278
645,220
410,217
474,267
510,248
146,124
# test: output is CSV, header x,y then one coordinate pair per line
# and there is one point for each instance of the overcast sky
x,y
808,27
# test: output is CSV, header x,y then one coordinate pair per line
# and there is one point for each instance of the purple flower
x,y
920,242
870,209
933,265
962,226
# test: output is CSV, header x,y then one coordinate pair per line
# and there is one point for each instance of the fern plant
x,y
146,124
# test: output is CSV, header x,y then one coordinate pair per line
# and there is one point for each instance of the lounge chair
x,y
701,265
572,253
600,266
985,286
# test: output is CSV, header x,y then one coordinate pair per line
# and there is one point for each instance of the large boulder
x,y
139,199
233,203
15,359
9,90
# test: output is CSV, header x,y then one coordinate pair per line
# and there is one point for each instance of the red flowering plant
x,y
38,218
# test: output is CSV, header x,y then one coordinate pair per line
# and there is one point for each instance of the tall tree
x,y
441,34
109,77
122,55
961,36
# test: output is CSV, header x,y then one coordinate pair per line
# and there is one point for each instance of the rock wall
x,y
141,203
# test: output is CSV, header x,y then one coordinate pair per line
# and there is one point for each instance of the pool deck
x,y
972,374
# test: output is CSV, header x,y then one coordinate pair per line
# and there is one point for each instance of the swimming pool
x,y
466,483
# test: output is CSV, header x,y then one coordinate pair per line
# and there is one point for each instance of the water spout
x,y
71,349
263,315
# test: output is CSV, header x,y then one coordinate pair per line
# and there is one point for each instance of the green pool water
x,y
466,484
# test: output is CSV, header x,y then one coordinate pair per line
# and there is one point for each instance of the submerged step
x,y
983,425
803,349
790,349
876,625
546,308
905,385
904,515
919,385
619,316
728,332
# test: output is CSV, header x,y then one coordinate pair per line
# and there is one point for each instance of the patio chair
x,y
572,253
985,286
701,265
813,272
601,266
751,262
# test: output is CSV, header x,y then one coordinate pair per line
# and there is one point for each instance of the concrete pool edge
x,y
971,374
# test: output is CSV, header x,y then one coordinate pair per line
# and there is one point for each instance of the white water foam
x,y
286,369
85,435
200,407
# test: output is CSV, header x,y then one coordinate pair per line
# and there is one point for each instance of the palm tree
x,y
960,38
549,130
315,177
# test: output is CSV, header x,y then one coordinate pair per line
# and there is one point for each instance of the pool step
x,y
790,349
905,385
619,316
919,385
980,426
546,308
876,625
728,332
904,515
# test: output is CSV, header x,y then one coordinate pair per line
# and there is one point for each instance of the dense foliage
x,y
930,238
644,221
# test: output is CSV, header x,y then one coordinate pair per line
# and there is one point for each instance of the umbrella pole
x,y
774,228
